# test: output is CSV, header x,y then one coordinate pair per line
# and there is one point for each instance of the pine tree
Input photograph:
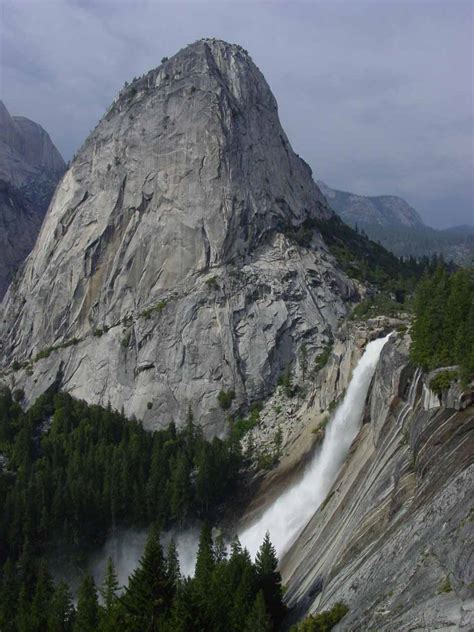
x,y
205,566
87,616
180,493
219,599
172,564
61,613
244,593
112,614
205,562
444,318
242,582
238,560
269,580
23,615
9,589
41,600
109,588
205,478
149,594
278,442
258,619
26,567
187,615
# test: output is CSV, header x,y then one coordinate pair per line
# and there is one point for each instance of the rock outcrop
x,y
393,540
30,168
165,270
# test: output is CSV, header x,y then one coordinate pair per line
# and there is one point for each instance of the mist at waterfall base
x,y
288,514
126,548
291,511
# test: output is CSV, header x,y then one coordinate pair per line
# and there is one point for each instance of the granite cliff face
x,y
164,271
393,540
30,168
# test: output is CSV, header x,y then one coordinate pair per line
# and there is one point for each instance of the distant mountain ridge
x,y
391,221
30,168
382,210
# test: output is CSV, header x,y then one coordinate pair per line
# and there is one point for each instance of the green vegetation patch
x,y
154,309
100,331
241,426
267,460
74,470
442,381
381,304
393,278
228,592
445,587
45,353
225,398
443,329
360,257
324,621
285,380
212,283
16,366
323,357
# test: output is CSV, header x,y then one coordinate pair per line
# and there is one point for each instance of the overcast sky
x,y
376,96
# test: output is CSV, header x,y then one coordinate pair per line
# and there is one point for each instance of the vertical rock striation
x,y
165,269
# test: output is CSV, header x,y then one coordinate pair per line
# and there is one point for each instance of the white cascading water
x,y
290,512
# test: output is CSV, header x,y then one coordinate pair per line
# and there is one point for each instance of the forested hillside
x,y
420,241
228,593
443,330
72,471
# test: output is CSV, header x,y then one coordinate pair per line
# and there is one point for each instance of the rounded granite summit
x,y
166,270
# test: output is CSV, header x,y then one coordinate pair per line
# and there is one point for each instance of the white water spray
x,y
290,512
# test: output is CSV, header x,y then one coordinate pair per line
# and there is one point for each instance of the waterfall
x,y
290,512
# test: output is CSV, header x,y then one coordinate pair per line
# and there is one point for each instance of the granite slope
x,y
393,540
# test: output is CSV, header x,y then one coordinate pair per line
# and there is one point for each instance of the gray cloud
x,y
375,96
